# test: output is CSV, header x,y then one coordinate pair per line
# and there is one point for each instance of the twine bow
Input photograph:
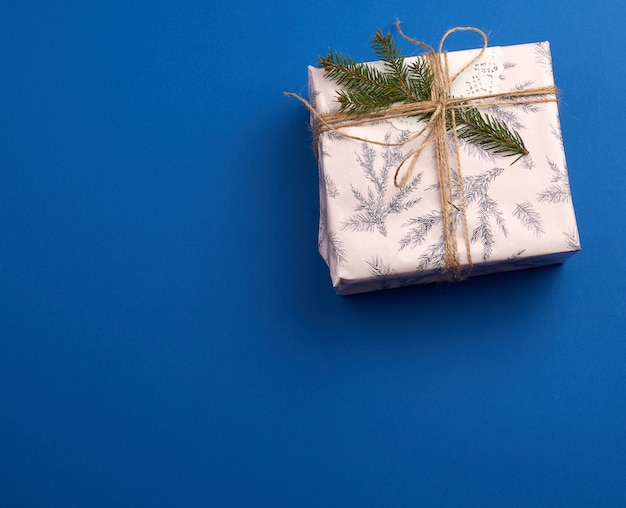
x,y
441,110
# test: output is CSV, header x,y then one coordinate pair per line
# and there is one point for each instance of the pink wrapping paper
x,y
375,236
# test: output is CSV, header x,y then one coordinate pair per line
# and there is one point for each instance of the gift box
x,y
507,214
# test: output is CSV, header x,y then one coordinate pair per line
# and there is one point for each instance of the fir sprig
x,y
367,89
492,134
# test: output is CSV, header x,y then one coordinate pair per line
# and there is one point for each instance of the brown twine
x,y
440,107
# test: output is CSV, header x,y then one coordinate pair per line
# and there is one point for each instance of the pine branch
x,y
489,132
367,89
359,102
346,72
386,49
507,117
420,83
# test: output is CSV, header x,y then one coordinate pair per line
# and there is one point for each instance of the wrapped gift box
x,y
374,235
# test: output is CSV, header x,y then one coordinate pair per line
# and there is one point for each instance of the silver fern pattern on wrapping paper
x,y
335,249
558,135
329,135
312,97
473,150
506,65
332,135
559,190
476,191
321,232
572,241
322,237
374,205
529,217
331,188
380,271
510,117
528,163
530,107
419,229
543,55
328,244
517,255
477,202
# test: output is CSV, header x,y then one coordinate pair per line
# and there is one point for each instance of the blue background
x,y
168,332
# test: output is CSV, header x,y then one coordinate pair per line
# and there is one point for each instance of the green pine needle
x,y
368,89
488,132
386,49
420,80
